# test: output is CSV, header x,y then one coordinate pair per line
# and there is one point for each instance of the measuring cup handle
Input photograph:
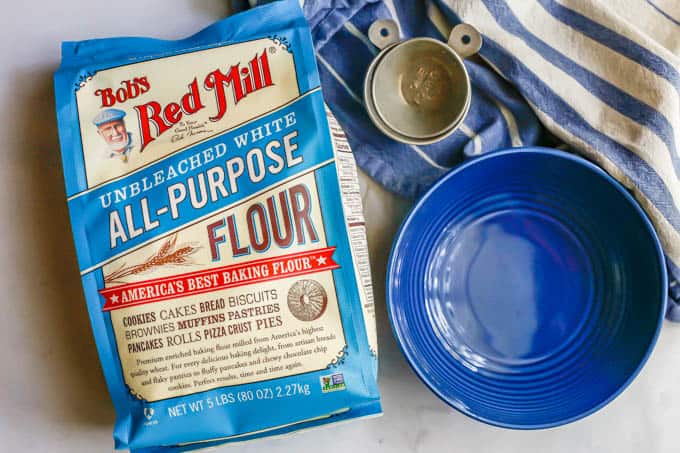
x,y
465,40
383,32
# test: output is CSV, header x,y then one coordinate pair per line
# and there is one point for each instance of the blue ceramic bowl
x,y
527,288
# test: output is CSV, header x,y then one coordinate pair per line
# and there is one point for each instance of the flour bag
x,y
215,211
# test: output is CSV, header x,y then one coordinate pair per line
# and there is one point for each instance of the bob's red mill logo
x,y
154,119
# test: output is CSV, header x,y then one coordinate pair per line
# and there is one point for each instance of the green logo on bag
x,y
332,383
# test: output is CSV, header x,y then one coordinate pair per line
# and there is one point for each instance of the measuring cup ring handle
x,y
465,40
383,33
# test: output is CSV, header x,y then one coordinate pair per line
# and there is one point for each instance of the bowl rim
x,y
536,150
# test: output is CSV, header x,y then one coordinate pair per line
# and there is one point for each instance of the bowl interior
x,y
527,288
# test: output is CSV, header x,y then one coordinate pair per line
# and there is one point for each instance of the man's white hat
x,y
108,115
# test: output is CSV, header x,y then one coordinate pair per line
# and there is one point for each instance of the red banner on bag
x,y
232,276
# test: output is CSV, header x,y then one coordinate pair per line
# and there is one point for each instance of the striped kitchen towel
x,y
602,77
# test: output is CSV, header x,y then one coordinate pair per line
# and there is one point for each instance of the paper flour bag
x,y
219,233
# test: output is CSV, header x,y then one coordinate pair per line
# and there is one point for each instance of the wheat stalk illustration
x,y
168,254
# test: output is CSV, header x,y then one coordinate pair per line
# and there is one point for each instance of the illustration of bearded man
x,y
111,127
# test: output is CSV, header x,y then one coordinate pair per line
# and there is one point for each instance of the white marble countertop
x,y
52,393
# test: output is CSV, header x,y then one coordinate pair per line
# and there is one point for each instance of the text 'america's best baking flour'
x,y
219,233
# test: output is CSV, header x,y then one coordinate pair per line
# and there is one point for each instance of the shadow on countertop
x,y
216,9
56,307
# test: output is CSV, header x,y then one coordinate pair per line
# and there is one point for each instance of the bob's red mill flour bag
x,y
219,233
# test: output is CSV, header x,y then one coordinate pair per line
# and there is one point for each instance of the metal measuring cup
x,y
418,91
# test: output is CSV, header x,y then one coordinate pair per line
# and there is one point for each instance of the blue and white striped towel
x,y
602,77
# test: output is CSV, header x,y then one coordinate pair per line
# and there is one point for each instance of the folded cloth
x,y
601,77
